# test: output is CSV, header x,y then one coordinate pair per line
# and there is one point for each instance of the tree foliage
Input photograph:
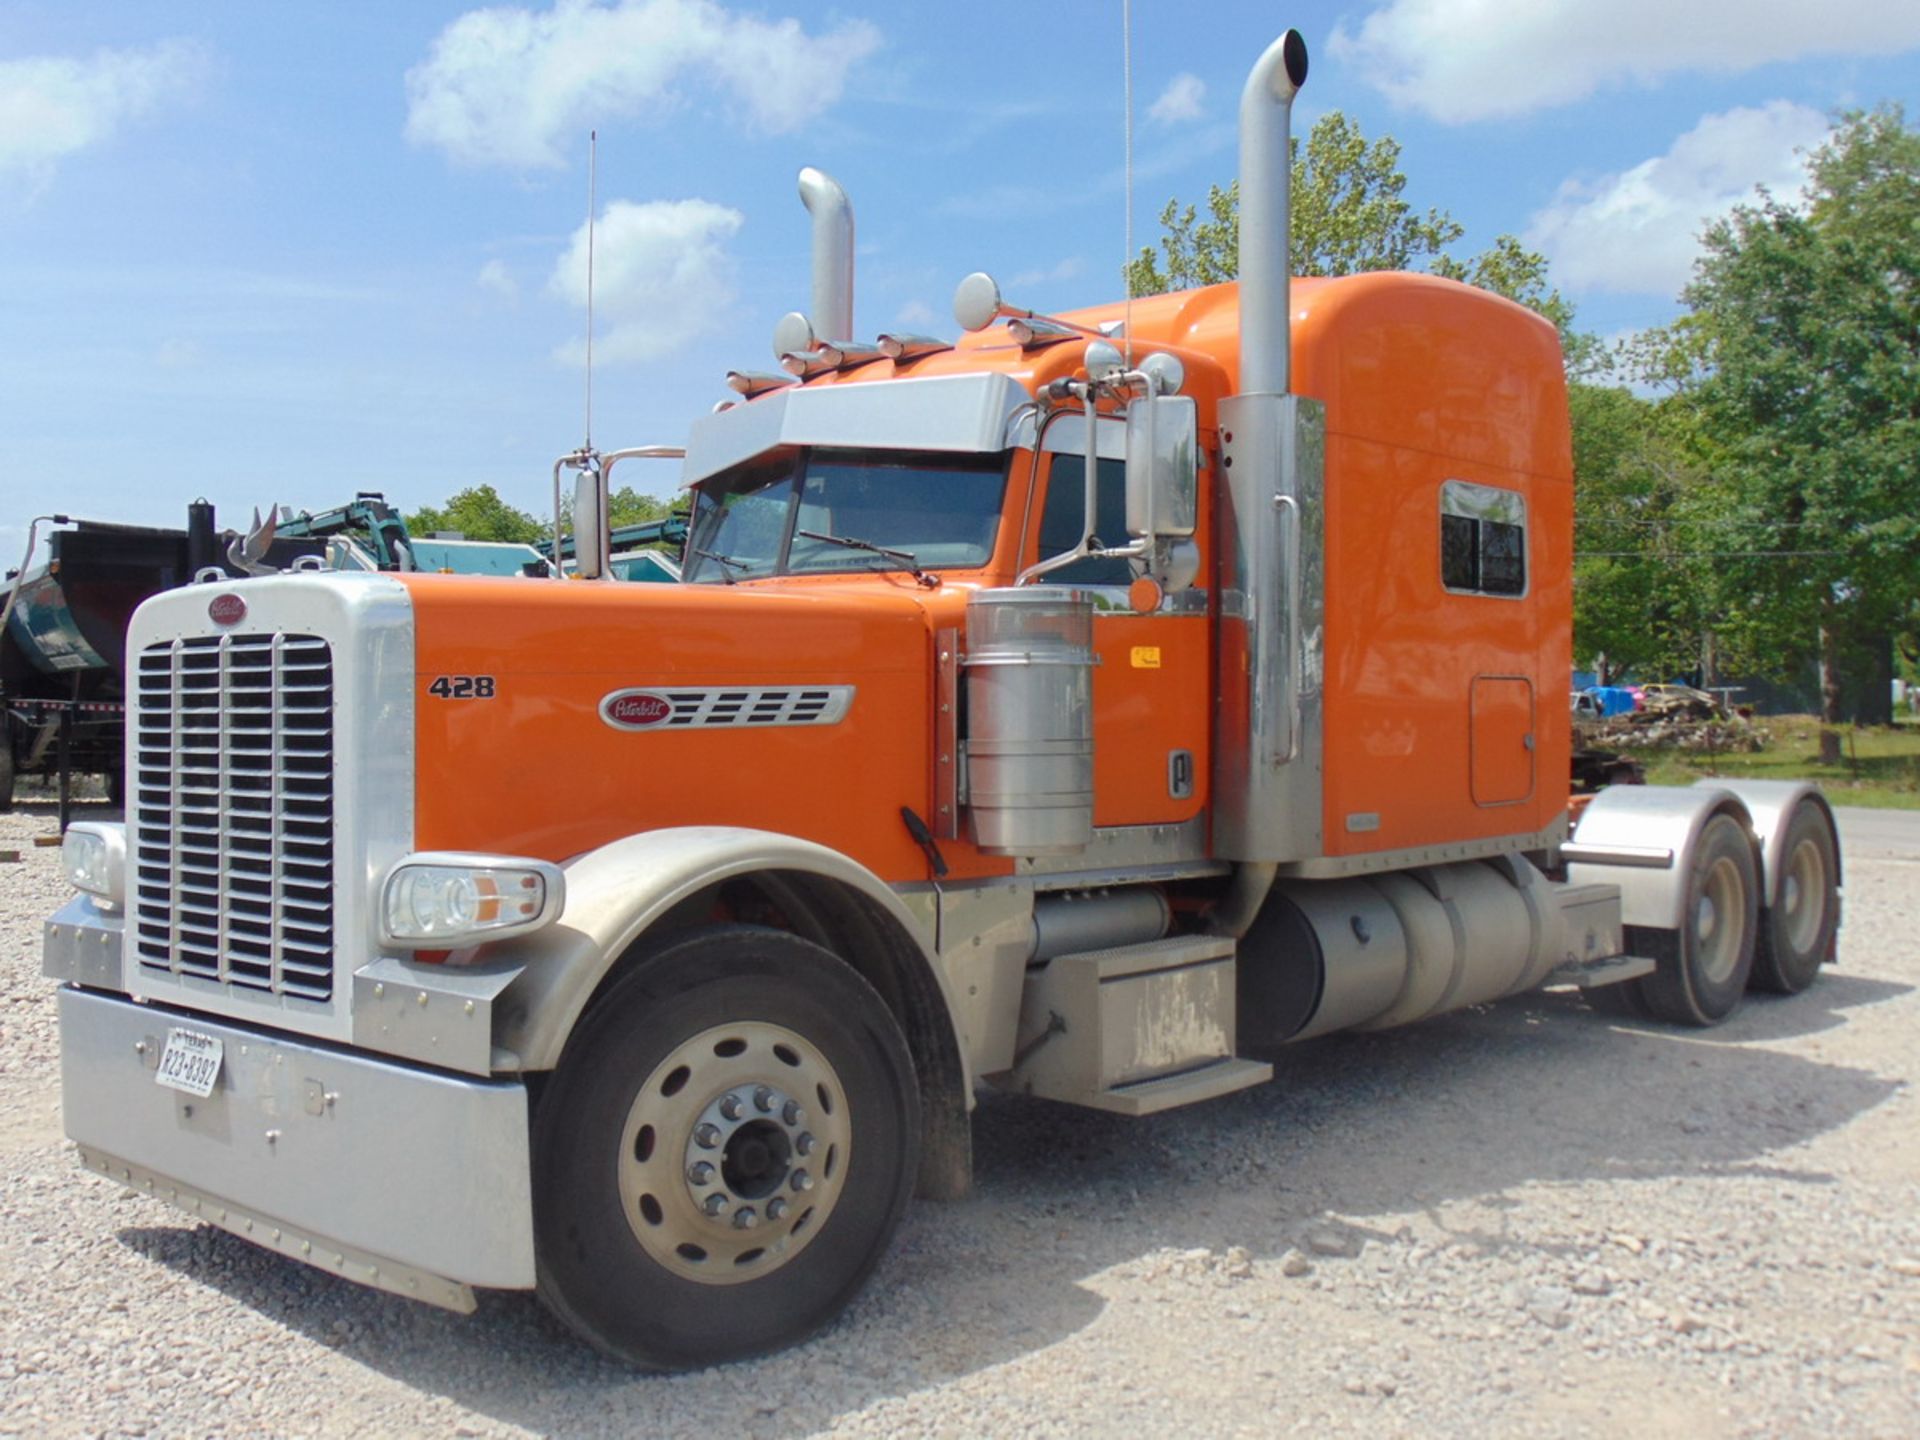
x,y
1349,214
1795,381
479,513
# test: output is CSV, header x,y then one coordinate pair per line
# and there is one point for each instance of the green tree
x,y
480,514
1798,370
627,506
1349,214
1648,527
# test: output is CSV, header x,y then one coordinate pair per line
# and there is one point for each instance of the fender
x,y
617,892
1772,804
1642,839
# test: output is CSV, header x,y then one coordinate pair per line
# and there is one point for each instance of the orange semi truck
x,y
1083,709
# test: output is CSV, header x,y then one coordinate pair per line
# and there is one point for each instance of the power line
x,y
1705,554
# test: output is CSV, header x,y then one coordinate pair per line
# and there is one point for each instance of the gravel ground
x,y
1524,1219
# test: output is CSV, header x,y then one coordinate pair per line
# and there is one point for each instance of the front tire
x,y
724,1152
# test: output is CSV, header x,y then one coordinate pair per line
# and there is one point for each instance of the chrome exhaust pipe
x,y
832,215
1266,179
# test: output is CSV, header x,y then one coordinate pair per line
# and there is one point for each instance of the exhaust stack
x,y
1268,725
832,215
1266,180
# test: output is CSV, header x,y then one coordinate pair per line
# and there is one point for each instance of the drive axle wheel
x,y
1704,965
1796,931
724,1152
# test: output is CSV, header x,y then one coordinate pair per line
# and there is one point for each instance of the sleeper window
x,y
1483,539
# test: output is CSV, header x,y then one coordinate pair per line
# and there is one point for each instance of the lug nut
x,y
763,1099
730,1107
801,1180
776,1209
744,1218
804,1144
700,1173
707,1136
714,1204
791,1113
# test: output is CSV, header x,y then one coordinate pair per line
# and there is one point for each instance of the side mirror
x,y
1163,466
589,536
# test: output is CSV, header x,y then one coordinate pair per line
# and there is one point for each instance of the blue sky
x,y
274,252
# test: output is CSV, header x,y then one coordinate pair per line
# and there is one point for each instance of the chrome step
x,y
1189,1087
1592,974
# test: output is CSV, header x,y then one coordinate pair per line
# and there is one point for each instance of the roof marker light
x,y
911,347
755,382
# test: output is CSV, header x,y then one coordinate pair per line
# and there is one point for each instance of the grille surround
x,y
233,854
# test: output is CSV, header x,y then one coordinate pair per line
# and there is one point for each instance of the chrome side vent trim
x,y
822,705
714,705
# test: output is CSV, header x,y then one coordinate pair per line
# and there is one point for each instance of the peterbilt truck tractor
x,y
1081,708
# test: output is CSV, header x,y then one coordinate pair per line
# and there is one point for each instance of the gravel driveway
x,y
1523,1219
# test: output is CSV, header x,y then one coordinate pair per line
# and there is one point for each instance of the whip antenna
x,y
1126,62
593,160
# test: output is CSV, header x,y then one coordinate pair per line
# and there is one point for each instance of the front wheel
x,y
724,1152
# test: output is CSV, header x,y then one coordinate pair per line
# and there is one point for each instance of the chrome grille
x,y
233,812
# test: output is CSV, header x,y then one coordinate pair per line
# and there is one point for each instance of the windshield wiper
x,y
904,557
727,563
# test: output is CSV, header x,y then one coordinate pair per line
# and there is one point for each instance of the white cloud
x,y
1461,60
661,277
177,354
497,280
52,106
516,87
916,315
1065,270
1181,100
1638,231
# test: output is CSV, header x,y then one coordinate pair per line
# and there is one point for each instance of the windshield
x,y
933,511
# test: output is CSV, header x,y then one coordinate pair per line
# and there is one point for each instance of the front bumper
x,y
408,1179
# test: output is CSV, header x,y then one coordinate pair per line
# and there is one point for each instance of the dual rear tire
x,y
1727,942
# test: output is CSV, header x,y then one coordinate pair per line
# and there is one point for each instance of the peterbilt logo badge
x,y
635,709
226,609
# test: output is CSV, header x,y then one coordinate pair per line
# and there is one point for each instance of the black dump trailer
x,y
63,661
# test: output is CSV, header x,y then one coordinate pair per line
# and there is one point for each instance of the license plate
x,y
190,1062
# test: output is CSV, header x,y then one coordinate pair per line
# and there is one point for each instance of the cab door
x,y
1152,674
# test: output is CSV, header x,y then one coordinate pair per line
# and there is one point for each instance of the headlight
x,y
446,901
95,856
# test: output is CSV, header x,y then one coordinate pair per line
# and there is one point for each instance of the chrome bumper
x,y
437,1014
411,1180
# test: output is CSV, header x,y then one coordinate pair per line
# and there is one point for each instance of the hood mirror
x,y
977,304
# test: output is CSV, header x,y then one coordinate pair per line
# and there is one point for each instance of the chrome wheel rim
x,y
734,1152
1803,896
1719,925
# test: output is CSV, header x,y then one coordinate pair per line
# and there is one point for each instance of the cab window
x,y
1066,510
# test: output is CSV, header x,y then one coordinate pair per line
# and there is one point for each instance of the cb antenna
x,y
593,160
1126,63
